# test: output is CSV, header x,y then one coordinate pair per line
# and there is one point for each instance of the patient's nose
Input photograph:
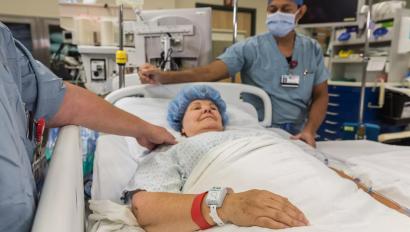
x,y
206,109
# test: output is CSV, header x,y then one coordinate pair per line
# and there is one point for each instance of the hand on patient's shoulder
x,y
154,135
261,208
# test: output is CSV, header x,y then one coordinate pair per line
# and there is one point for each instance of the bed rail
x,y
230,92
61,206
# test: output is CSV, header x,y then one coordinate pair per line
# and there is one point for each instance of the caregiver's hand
x,y
150,136
263,209
307,137
149,74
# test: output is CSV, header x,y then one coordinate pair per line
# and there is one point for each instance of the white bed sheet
x,y
384,168
339,206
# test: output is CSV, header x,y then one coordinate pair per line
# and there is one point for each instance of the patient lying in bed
x,y
155,191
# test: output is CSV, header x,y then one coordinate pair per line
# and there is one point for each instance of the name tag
x,y
291,81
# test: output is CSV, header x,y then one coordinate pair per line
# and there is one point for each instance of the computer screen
x,y
336,12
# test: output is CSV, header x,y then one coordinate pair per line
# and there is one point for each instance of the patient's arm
x,y
215,71
171,212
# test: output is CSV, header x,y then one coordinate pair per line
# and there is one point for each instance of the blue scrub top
x,y
25,85
261,64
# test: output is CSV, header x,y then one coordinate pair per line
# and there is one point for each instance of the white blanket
x,y
329,202
275,164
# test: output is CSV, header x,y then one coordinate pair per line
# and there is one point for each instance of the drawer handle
x,y
334,95
333,104
330,132
331,123
332,113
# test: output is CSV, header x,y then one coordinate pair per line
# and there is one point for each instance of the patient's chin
x,y
206,130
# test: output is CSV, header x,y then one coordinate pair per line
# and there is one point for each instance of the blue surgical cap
x,y
178,106
298,2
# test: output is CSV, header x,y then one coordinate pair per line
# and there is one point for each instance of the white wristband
x,y
214,215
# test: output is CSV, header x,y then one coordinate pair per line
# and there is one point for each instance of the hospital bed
x,y
61,207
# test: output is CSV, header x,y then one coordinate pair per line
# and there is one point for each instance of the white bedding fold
x,y
275,164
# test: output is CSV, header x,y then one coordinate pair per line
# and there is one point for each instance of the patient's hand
x,y
149,74
263,209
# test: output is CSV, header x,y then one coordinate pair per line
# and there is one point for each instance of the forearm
x,y
81,107
215,71
317,112
166,211
171,212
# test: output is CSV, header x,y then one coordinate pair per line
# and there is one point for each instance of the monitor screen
x,y
191,48
330,12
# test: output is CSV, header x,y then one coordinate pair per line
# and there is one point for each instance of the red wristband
x,y
196,212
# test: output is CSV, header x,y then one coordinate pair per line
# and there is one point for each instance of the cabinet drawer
x,y
329,132
341,116
332,125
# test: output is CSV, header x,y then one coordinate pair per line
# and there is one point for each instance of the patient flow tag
x,y
291,81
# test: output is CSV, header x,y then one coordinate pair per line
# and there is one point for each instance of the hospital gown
x,y
25,86
167,169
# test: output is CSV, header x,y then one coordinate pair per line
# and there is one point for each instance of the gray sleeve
x,y
42,91
158,172
234,58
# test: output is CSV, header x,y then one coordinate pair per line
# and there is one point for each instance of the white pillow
x,y
154,110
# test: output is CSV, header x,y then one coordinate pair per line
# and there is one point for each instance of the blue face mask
x,y
280,24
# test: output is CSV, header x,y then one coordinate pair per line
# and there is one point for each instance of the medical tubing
x,y
381,197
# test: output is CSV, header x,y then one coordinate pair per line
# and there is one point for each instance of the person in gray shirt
x,y
29,91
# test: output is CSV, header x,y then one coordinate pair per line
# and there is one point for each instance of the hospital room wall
x,y
259,5
36,8
49,8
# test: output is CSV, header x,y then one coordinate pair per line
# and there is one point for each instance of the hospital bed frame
x,y
231,93
61,207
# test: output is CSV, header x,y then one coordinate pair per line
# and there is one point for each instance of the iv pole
x,y
361,131
235,26
121,55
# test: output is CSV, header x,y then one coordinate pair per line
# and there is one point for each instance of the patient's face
x,y
201,116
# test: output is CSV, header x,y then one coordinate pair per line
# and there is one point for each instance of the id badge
x,y
290,81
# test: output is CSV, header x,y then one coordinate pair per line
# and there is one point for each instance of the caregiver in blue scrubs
x,y
287,65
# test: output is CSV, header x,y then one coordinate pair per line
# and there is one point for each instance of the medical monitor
x,y
185,35
331,13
